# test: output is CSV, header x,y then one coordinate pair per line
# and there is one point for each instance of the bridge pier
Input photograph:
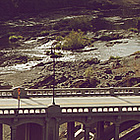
x,y
1,131
87,130
52,123
100,130
70,130
117,131
13,133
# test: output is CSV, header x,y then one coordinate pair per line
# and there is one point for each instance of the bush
x,y
133,30
14,38
89,72
75,23
137,52
83,23
114,57
75,40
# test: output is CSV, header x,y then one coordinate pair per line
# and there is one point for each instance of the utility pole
x,y
53,56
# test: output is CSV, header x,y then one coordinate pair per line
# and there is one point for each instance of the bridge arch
x,y
34,121
133,129
29,131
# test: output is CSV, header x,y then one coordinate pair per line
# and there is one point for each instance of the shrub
x,y
89,72
74,40
137,52
14,38
133,30
75,23
114,57
83,23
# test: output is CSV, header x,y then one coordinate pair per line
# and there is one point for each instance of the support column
x,y
27,131
57,129
52,123
52,130
70,130
13,133
87,130
43,133
99,130
46,129
117,130
1,131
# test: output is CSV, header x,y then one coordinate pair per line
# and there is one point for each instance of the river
x,y
32,48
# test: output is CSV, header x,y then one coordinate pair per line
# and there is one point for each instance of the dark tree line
x,y
11,7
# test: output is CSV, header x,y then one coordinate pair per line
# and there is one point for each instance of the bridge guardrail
x,y
112,91
72,110
107,109
23,111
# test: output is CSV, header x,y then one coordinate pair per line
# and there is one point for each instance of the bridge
x,y
88,113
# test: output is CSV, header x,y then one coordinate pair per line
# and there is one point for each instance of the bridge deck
x,y
72,102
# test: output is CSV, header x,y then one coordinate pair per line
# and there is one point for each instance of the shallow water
x,y
112,20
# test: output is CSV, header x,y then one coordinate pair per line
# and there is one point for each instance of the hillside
x,y
14,7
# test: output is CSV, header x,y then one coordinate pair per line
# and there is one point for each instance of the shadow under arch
x,y
133,132
29,131
110,131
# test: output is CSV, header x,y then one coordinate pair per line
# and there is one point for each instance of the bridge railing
x,y
71,110
22,111
59,92
108,109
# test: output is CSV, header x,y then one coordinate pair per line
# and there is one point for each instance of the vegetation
x,y
12,7
14,38
83,23
114,57
89,72
137,52
133,30
74,40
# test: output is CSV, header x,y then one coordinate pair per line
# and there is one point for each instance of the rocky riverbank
x,y
115,72
108,59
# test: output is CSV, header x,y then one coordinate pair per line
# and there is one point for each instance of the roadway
x,y
72,102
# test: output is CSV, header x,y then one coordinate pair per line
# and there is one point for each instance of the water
x,y
111,20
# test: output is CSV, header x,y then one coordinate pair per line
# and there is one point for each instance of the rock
x,y
118,77
128,82
93,61
5,85
85,83
61,79
40,64
80,83
116,64
46,81
108,71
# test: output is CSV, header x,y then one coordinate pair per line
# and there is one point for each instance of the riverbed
x,y
36,50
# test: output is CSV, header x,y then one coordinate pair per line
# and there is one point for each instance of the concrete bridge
x,y
88,113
